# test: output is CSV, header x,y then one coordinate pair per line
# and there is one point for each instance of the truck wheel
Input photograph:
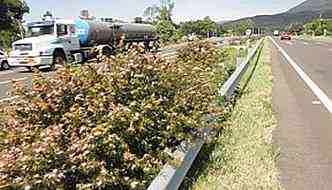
x,y
58,59
5,65
106,51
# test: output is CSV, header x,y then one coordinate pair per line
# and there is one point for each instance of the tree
x,y
162,12
11,13
202,28
161,16
166,31
295,28
166,9
241,27
316,27
151,14
329,26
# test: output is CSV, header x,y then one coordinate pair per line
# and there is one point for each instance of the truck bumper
x,y
30,61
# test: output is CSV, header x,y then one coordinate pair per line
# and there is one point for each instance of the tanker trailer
x,y
60,41
95,38
93,32
138,33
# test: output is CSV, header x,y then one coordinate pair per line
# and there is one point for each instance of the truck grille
x,y
23,47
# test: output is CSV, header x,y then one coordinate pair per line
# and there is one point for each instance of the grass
x,y
242,157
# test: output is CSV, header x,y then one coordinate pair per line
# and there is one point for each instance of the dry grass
x,y
244,157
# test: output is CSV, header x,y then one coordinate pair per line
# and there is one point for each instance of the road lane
x,y
315,60
320,94
304,124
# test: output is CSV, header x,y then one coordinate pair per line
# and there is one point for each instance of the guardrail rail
x,y
171,177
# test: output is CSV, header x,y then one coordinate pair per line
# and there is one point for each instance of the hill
x,y
319,6
302,13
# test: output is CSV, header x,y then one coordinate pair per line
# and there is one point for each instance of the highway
x,y
302,94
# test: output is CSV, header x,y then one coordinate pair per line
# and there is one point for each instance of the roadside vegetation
x,y
318,27
110,126
242,155
11,14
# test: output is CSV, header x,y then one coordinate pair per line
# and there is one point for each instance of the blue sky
x,y
185,9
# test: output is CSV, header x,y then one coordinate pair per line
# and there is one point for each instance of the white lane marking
x,y
13,80
310,83
289,43
330,49
8,99
321,43
316,103
306,43
6,72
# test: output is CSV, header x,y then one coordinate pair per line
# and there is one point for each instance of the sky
x,y
185,10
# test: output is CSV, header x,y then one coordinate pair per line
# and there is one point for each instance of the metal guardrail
x,y
171,177
230,85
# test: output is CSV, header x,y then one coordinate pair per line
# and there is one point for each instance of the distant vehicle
x,y
285,36
3,61
56,42
276,33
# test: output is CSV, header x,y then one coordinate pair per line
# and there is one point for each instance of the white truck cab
x,y
47,43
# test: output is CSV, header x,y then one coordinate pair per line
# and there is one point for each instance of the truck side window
x,y
72,29
62,29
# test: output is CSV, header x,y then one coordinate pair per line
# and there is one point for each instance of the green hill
x,y
302,13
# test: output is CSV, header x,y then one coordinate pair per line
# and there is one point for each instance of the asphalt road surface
x,y
302,94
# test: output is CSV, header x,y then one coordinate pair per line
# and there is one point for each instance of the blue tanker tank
x,y
94,32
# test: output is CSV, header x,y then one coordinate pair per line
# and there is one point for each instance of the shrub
x,y
167,32
219,62
110,126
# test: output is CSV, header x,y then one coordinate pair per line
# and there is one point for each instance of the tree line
x,y
316,27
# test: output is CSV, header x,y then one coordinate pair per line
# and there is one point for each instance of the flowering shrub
x,y
219,63
110,126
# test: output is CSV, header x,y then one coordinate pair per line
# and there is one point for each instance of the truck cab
x,y
47,43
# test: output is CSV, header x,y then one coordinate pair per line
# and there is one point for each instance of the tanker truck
x,y
56,42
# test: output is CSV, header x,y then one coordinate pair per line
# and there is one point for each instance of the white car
x,y
3,61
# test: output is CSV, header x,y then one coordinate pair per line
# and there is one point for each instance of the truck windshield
x,y
40,30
